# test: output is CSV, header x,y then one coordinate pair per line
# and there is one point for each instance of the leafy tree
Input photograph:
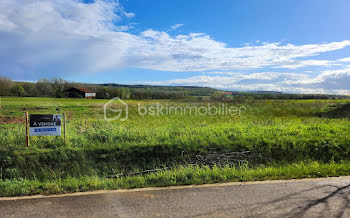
x,y
58,85
30,89
102,92
44,87
17,90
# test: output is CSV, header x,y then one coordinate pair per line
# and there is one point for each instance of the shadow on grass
x,y
337,111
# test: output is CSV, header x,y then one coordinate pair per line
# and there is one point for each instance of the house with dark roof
x,y
79,92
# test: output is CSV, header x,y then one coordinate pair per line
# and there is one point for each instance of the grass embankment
x,y
282,133
180,176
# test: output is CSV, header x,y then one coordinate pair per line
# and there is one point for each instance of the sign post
x,y
27,136
64,128
45,125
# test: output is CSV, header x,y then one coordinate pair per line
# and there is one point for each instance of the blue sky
x,y
290,46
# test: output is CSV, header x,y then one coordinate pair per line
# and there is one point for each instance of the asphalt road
x,y
298,198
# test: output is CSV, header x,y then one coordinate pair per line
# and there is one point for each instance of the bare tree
x,y
5,86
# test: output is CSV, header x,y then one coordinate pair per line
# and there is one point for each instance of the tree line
x,y
56,88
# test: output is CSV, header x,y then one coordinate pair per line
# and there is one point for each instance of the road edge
x,y
174,188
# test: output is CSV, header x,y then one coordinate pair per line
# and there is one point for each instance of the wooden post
x,y
64,127
27,136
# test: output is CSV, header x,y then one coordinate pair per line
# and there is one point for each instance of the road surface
x,y
294,198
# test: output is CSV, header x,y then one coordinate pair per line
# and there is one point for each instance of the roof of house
x,y
85,90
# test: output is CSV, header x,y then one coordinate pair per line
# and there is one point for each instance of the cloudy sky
x,y
293,46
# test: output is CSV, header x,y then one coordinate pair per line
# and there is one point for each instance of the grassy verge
x,y
175,177
51,164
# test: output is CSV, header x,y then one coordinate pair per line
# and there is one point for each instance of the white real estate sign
x,y
41,125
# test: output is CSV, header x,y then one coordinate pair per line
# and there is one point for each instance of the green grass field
x,y
277,136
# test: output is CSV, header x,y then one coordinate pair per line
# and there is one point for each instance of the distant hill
x,y
267,92
188,90
277,95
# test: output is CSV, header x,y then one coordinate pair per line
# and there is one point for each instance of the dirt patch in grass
x,y
11,120
69,115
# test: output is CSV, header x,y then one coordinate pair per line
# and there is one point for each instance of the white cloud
x,y
55,38
328,82
176,26
344,59
295,64
199,52
331,79
261,76
129,15
221,73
